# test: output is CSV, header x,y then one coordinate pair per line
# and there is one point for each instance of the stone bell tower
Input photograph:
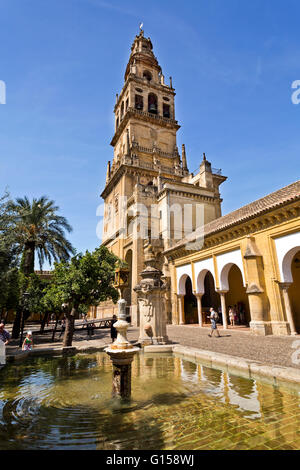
x,y
147,175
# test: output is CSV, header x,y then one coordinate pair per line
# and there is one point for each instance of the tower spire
x,y
184,162
108,172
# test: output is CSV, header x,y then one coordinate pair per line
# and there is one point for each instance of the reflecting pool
x,y
65,403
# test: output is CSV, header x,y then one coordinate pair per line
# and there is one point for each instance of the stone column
x,y
223,307
180,298
256,288
151,291
121,353
289,314
121,384
199,307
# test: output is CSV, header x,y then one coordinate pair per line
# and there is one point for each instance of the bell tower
x,y
147,175
145,125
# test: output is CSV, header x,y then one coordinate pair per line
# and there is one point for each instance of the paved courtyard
x,y
276,350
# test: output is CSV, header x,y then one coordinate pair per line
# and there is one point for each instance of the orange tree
x,y
87,279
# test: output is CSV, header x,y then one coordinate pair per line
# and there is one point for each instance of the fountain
x,y
121,352
150,290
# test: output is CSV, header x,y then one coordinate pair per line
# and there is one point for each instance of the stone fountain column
x,y
121,353
150,291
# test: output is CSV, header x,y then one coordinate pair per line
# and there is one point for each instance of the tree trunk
x,y
27,263
17,323
70,320
55,327
43,322
6,316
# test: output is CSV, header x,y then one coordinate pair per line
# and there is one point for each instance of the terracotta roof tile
x,y
283,196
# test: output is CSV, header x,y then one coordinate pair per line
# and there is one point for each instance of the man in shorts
x,y
213,319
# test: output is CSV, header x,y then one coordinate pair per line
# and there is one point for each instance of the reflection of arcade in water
x,y
190,398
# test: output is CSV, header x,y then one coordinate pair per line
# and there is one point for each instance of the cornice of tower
x,y
141,170
144,116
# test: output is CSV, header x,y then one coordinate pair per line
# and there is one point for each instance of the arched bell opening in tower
x,y
139,102
152,103
166,110
147,75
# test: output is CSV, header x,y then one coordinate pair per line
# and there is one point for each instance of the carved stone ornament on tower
x,y
150,291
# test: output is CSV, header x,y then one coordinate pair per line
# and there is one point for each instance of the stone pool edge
x,y
245,367
55,351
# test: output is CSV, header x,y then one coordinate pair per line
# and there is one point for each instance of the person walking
x,y
231,315
113,331
63,326
213,319
236,315
4,334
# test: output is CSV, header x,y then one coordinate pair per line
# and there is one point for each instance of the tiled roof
x,y
281,197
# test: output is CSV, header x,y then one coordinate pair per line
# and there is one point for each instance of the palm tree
x,y
38,229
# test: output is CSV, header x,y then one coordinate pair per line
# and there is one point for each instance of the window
x,y
147,75
117,123
166,110
139,102
127,102
152,103
122,109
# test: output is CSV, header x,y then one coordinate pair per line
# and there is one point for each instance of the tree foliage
x,y
84,281
37,228
9,281
87,278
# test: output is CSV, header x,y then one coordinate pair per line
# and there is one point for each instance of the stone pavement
x,y
272,350
100,339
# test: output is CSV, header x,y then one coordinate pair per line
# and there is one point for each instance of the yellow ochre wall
x,y
266,306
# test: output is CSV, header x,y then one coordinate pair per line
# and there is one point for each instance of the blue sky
x,y
232,63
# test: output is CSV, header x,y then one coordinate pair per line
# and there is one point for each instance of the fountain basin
x,y
65,403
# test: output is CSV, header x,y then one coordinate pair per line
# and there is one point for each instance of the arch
x,y
225,262
152,103
190,303
201,269
210,297
224,282
294,289
286,248
182,283
139,102
181,274
236,297
147,75
166,111
200,281
286,266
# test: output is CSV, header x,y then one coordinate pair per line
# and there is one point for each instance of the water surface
x,y
65,403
